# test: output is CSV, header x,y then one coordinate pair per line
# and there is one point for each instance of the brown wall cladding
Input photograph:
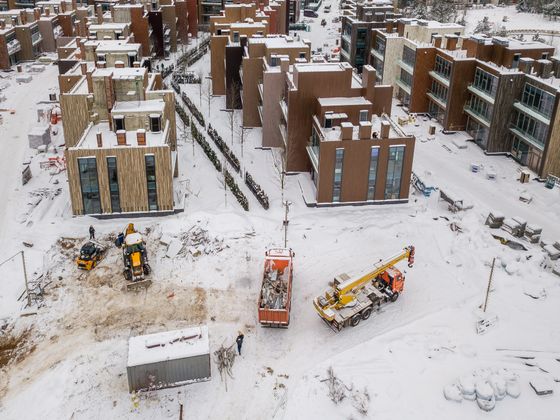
x,y
75,117
23,35
131,175
169,19
425,60
65,22
192,7
182,13
462,74
217,63
252,74
139,26
356,168
4,57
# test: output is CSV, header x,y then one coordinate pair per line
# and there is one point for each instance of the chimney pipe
x,y
48,11
141,137
136,64
99,137
346,130
365,130
119,64
121,137
385,128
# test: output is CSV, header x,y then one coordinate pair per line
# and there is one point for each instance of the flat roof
x,y
110,45
357,100
120,73
168,345
107,26
109,137
277,42
151,105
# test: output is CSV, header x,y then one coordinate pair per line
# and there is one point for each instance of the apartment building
x,y
304,84
387,47
120,133
20,38
358,157
262,61
229,34
356,28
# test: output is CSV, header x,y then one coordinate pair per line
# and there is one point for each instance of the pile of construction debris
x,y
225,357
196,241
485,386
274,292
338,391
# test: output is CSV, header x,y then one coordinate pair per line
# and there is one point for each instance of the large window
x,y
485,81
379,45
409,56
151,182
406,78
114,184
481,108
394,173
439,91
442,67
337,182
478,132
372,176
532,128
155,123
90,185
538,99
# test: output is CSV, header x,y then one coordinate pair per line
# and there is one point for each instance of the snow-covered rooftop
x,y
120,72
278,42
108,26
113,45
109,137
151,105
358,100
168,345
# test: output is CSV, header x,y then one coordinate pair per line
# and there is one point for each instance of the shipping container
x,y
168,359
275,298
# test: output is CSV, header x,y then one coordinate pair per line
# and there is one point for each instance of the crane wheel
x,y
355,320
395,297
366,313
147,269
127,275
410,265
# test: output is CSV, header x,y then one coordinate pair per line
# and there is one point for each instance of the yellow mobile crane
x,y
351,299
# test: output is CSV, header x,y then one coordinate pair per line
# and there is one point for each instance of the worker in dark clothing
x,y
239,342
91,232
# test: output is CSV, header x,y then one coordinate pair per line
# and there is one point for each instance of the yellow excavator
x,y
135,257
352,299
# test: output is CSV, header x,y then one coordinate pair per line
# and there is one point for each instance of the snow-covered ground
x,y
403,356
514,20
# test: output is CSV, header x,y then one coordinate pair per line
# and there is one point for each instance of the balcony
x,y
481,118
260,109
442,103
284,109
13,47
377,54
260,88
526,137
440,78
520,106
481,94
403,85
283,134
313,153
347,38
406,67
36,38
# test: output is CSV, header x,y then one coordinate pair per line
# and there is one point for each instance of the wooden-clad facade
x,y
132,180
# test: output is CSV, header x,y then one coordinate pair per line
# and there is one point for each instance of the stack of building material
x,y
522,225
512,227
533,233
24,78
553,250
39,136
495,220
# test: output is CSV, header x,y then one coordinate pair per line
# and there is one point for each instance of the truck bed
x,y
276,290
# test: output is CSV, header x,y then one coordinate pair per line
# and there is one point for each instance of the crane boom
x,y
379,267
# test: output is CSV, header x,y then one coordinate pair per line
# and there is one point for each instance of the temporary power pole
x,y
287,205
489,285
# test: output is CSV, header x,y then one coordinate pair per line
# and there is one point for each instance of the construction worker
x,y
239,341
91,232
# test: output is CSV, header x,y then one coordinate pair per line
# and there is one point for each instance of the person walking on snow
x,y
239,342
91,232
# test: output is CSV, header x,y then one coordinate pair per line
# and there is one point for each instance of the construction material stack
x,y
276,289
351,299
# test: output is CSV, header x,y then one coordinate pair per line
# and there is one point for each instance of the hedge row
x,y
230,156
257,190
199,137
182,114
193,109
230,182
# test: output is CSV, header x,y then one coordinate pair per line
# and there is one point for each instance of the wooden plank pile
x,y
274,292
495,220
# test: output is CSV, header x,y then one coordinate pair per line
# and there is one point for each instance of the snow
x,y
168,345
109,137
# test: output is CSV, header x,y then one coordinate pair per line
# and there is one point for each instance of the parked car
x,y
310,13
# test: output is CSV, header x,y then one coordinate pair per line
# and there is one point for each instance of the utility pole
x,y
209,92
25,278
489,285
287,205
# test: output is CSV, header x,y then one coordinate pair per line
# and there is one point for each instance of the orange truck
x,y
275,298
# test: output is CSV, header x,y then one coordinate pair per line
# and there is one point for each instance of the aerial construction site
x,y
279,210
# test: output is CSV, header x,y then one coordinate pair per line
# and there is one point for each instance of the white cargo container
x,y
168,359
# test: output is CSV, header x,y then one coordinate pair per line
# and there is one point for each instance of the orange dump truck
x,y
275,298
